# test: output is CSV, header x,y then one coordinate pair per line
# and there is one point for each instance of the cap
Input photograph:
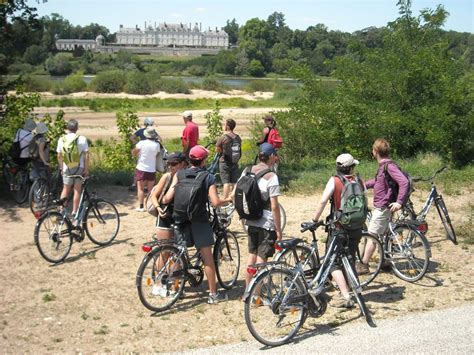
x,y
267,149
346,160
148,121
198,152
187,114
150,133
41,128
29,125
175,157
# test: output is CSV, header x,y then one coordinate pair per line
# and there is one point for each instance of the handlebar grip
x,y
310,226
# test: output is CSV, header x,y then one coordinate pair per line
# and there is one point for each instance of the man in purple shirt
x,y
385,202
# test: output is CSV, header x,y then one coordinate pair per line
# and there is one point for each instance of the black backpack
x,y
16,149
393,184
191,196
248,198
233,149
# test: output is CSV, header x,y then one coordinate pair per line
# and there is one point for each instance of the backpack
x,y
70,151
248,197
233,150
190,196
160,159
16,149
148,201
352,213
393,184
274,138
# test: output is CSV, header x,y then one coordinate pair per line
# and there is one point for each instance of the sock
x,y
141,205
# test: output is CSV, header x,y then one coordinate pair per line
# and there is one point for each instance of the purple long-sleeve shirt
x,y
382,192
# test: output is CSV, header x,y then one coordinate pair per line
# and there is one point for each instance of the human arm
x,y
328,192
275,208
369,184
168,197
216,201
41,153
403,186
133,138
86,162
265,132
156,192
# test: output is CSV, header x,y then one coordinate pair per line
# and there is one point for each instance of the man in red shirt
x,y
190,134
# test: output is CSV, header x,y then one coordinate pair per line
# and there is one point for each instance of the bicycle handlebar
x,y
419,178
312,226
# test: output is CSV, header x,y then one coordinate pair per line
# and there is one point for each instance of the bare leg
x,y
340,280
77,196
209,268
369,251
141,191
252,259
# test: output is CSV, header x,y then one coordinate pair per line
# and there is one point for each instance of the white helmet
x,y
148,121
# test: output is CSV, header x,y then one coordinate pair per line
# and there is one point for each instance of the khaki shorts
x,y
379,221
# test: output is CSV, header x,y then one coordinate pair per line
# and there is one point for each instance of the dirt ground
x,y
90,302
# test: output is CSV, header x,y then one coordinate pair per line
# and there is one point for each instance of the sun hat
x,y
41,128
267,149
187,114
72,125
29,125
175,157
346,160
198,152
150,133
148,121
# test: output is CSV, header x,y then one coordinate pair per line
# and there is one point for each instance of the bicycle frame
x,y
433,195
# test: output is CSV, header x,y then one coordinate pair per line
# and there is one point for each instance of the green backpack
x,y
70,151
353,211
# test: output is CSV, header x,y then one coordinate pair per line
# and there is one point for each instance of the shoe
x,y
140,209
362,269
158,290
342,302
216,298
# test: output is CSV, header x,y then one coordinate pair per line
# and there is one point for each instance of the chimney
x,y
121,26
200,27
216,29
155,25
145,26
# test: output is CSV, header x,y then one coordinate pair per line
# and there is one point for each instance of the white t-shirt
x,y
82,147
149,149
269,188
24,137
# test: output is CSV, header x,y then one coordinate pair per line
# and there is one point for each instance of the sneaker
x,y
158,290
362,269
216,298
342,302
140,209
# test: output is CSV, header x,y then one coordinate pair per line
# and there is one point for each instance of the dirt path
x,y
90,304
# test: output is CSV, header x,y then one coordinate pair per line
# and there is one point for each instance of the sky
x,y
343,15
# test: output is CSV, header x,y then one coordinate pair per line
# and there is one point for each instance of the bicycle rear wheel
x,y
303,252
409,253
102,222
38,197
20,186
227,260
53,236
160,278
369,245
443,214
268,320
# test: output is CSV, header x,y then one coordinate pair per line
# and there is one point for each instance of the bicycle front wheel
x,y
38,197
270,320
370,253
20,186
102,222
227,260
160,278
409,253
53,237
443,214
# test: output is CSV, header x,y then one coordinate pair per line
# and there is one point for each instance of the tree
x,y
226,62
58,65
253,40
232,29
256,68
35,54
241,63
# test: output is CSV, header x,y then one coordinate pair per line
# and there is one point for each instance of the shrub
x,y
58,65
210,83
75,83
20,68
197,70
256,68
109,81
37,83
138,83
172,86
35,54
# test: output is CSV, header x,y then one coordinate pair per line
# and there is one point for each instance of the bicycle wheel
x,y
443,214
369,245
270,321
20,186
282,220
102,222
38,197
303,252
409,253
53,236
160,278
227,260
356,288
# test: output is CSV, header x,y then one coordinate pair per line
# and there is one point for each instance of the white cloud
x,y
175,15
200,9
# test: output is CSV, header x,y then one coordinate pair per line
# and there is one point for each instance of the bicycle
x,y
169,265
43,191
18,179
279,298
408,210
96,217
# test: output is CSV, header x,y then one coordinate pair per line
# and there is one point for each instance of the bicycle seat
x,y
289,243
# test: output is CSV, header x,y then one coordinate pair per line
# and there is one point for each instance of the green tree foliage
x,y
35,54
232,29
72,83
214,121
109,81
56,128
226,62
253,38
138,83
256,68
58,65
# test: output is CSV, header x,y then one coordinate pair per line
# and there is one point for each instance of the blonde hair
x,y
382,147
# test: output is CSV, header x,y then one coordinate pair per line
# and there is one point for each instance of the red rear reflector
x,y
13,170
251,270
423,227
277,248
38,214
146,248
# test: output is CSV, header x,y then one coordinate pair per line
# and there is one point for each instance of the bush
x,y
20,68
58,65
197,70
35,54
211,83
138,83
256,68
172,86
37,83
109,81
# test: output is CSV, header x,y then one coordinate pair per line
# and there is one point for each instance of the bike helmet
x,y
148,121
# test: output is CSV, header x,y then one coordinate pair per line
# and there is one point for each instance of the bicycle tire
x,y
356,288
282,220
149,275
102,218
303,252
49,235
227,260
409,253
263,309
38,196
375,261
20,179
445,219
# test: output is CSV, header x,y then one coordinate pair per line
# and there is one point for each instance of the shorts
x,y
229,172
198,234
72,171
261,242
164,223
379,221
144,175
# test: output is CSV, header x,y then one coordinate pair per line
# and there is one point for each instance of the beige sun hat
x,y
29,124
41,128
150,133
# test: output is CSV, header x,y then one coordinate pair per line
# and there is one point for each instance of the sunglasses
x,y
172,163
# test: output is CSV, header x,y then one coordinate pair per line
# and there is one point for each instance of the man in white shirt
x,y
80,168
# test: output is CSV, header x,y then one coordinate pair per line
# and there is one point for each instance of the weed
x,y
96,317
57,340
429,303
200,309
48,297
84,315
137,328
103,330
123,325
91,255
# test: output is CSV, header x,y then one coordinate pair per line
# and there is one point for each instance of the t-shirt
x,y
82,147
331,187
149,149
41,139
190,134
24,137
224,141
269,187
